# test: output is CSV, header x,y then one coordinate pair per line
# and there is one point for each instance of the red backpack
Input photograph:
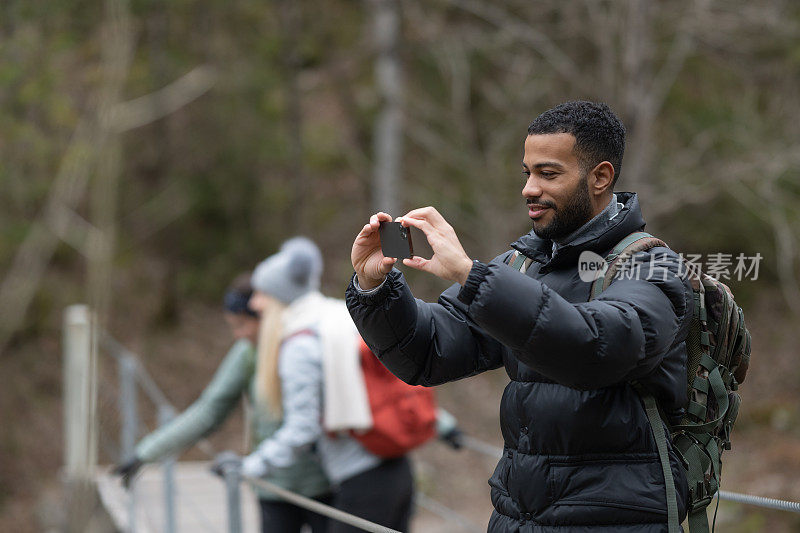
x,y
403,416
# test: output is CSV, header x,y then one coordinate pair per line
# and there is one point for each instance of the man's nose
x,y
532,189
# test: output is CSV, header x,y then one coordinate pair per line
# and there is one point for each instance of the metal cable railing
x,y
760,501
131,372
320,508
135,371
227,466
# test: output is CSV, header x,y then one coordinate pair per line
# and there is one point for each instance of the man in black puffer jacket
x,y
579,451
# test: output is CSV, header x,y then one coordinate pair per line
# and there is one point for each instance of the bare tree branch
x,y
682,46
436,145
786,256
20,282
549,51
71,228
126,116
158,212
786,237
117,55
81,157
606,19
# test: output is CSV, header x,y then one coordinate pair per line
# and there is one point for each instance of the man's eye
x,y
547,174
526,172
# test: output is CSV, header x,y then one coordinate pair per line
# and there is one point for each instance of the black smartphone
x,y
396,240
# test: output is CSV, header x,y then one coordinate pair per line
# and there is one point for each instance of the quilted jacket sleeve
x,y
620,336
422,343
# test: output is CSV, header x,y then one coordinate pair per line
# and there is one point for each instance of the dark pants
x,y
284,517
384,494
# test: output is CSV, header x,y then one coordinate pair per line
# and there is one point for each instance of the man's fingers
x,y
366,230
417,262
425,213
421,224
422,212
376,219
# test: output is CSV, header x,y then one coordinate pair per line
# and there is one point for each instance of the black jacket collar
x,y
599,239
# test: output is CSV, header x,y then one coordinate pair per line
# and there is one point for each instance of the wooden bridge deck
x,y
200,500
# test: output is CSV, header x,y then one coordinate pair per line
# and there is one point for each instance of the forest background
x,y
150,151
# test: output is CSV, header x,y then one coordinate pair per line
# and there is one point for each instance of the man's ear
x,y
601,178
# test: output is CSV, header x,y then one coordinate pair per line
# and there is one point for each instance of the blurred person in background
x,y
579,451
236,378
309,377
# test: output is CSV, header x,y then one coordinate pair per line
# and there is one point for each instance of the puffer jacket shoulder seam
x,y
680,276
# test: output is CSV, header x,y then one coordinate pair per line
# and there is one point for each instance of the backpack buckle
x,y
701,495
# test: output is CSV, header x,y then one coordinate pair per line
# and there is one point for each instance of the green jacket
x,y
234,377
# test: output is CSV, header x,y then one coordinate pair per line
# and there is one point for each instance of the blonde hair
x,y
270,334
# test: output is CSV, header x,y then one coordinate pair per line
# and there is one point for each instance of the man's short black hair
x,y
599,134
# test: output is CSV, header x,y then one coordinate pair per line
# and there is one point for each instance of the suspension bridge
x,y
187,496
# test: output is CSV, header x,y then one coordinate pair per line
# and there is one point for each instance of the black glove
x,y
225,462
453,438
127,470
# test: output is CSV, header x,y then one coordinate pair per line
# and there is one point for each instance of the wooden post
x,y
80,422
80,394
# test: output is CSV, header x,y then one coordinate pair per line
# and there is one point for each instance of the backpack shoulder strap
x,y
519,261
654,417
637,241
633,243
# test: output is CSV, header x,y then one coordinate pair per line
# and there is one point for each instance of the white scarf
x,y
345,402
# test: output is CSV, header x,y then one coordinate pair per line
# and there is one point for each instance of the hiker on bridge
x,y
236,377
284,329
310,377
579,451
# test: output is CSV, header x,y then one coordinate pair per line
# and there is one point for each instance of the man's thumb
x,y
385,265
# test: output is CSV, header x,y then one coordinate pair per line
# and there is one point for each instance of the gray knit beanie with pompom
x,y
291,273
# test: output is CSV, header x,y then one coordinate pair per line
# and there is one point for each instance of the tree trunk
x,y
388,142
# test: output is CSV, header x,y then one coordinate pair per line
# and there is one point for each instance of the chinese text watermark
x,y
720,266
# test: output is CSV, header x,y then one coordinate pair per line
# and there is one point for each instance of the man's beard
x,y
569,217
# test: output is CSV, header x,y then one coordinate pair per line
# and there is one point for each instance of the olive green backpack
x,y
718,355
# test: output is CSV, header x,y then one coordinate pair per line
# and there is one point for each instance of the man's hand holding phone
x,y
368,260
449,261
